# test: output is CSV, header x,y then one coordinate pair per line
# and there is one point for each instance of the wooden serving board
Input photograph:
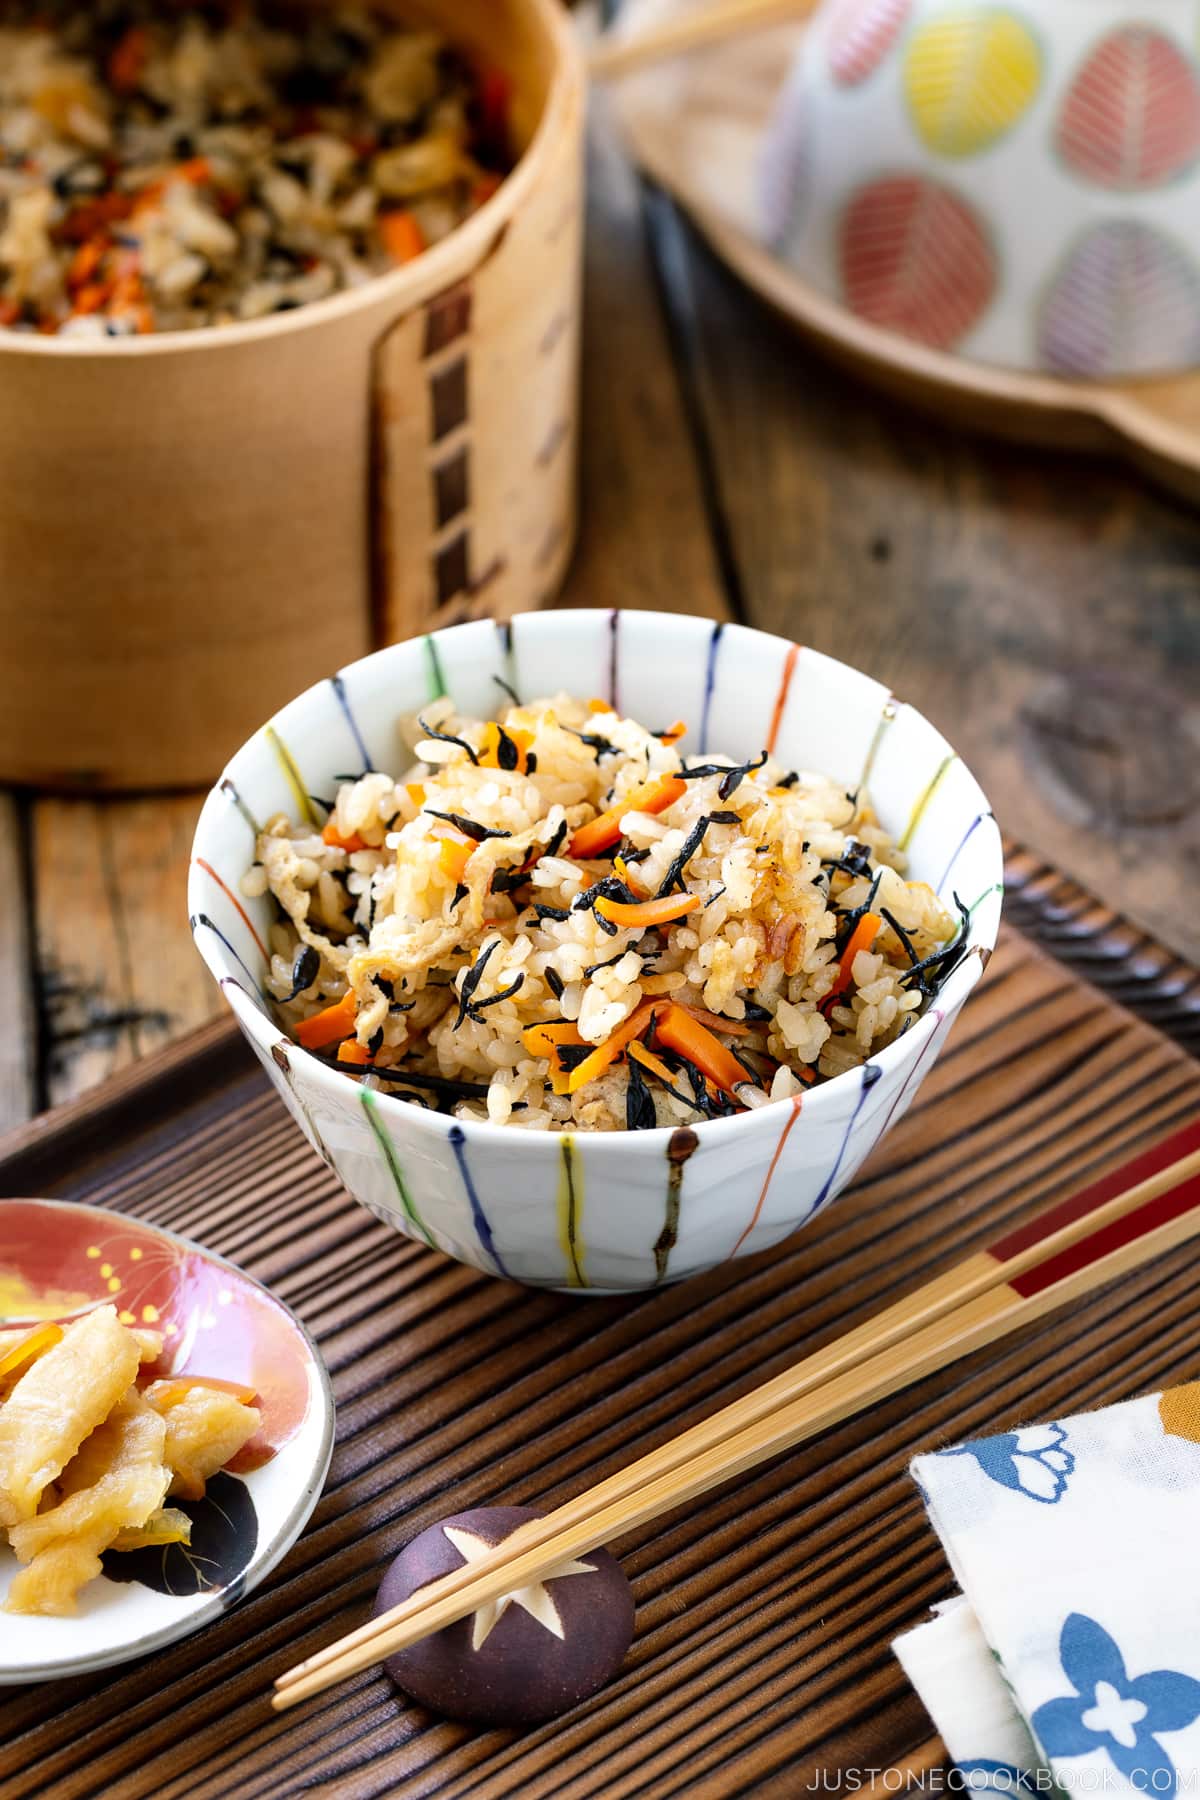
x,y
764,1614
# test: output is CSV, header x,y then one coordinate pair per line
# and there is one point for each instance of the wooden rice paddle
x,y
1117,1224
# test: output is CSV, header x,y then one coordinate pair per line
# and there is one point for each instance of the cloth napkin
x,y
1071,1657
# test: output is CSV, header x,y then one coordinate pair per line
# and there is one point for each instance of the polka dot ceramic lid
x,y
1015,183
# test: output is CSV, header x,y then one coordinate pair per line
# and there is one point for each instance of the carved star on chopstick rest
x,y
526,1653
536,1598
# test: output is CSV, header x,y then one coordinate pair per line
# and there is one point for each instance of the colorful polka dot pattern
x,y
1131,119
861,32
970,76
916,259
1014,183
1127,297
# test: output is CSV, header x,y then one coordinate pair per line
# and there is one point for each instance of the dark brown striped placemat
x,y
765,1614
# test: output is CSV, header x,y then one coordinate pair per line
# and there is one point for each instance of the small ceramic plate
x,y
58,1260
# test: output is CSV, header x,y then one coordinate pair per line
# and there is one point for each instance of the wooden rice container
x,y
196,526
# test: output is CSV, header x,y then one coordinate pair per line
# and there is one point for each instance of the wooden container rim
x,y
408,286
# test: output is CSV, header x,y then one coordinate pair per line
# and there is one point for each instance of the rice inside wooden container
x,y
195,526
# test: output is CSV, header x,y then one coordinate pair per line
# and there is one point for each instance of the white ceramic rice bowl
x,y
601,1212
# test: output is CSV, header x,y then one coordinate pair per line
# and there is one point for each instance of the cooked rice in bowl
x,y
556,920
165,168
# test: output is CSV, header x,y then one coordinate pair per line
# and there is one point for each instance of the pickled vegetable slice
x,y
117,1483
205,1427
60,1398
166,1526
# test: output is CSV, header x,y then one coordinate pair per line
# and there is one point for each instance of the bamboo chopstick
x,y
1112,1226
615,55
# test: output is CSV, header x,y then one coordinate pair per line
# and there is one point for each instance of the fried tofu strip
x,y
60,1398
117,1484
205,1428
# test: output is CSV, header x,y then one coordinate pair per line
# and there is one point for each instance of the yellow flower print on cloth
x,y
969,77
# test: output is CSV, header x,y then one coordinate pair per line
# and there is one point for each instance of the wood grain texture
x,y
1043,612
18,1040
117,970
644,536
765,1611
1123,961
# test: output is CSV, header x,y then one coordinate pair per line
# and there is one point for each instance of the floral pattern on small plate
x,y
59,1260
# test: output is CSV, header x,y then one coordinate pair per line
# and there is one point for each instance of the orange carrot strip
x,y
690,1024
197,170
598,706
336,1021
607,1053
127,291
91,297
645,913
640,1054
861,938
85,262
543,1040
331,835
489,757
170,1393
416,792
401,236
351,1051
605,828
678,1030
28,1349
454,853
674,732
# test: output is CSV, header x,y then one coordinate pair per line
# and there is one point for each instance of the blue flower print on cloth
x,y
1032,1461
1098,1528
1113,1712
